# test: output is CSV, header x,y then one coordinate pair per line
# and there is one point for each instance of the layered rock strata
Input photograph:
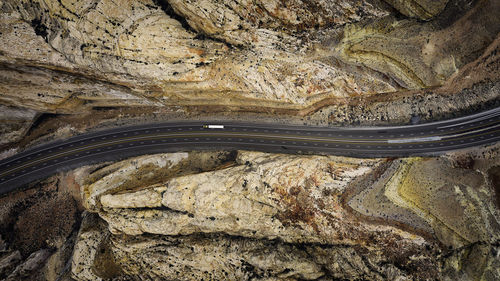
x,y
257,216
73,56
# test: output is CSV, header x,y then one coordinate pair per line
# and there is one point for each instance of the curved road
x,y
412,140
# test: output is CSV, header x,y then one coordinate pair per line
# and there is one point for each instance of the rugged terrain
x,y
69,67
342,62
257,216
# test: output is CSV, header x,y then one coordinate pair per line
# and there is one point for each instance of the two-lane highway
x,y
115,144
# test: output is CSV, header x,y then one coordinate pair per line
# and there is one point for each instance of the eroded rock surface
x,y
67,66
285,217
73,56
258,216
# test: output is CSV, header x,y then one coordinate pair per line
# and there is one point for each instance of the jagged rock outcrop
x,y
73,56
257,215
68,66
316,62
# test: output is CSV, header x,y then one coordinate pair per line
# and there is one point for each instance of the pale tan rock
x,y
203,258
140,199
455,200
265,216
452,197
240,22
86,247
244,55
380,200
302,217
264,196
20,41
419,55
110,182
224,257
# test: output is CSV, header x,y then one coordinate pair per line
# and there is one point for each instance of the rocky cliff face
x,y
246,215
77,65
71,66
257,216
295,57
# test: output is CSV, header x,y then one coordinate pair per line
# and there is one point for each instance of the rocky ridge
x,y
284,217
67,67
258,216
74,66
73,56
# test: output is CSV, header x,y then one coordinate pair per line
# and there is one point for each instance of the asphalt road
x,y
115,144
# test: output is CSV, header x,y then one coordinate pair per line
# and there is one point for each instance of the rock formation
x,y
72,56
69,67
265,216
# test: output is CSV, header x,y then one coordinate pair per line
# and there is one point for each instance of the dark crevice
x,y
82,76
453,11
40,28
203,36
67,10
451,252
494,175
370,266
158,208
167,8
42,118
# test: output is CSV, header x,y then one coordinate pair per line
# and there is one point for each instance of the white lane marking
x,y
488,116
261,135
14,175
470,132
424,139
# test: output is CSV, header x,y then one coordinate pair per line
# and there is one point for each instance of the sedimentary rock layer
x,y
278,216
73,56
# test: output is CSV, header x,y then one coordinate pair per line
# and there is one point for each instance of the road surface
x,y
115,144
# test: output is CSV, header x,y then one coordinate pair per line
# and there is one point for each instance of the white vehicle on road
x,y
213,126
